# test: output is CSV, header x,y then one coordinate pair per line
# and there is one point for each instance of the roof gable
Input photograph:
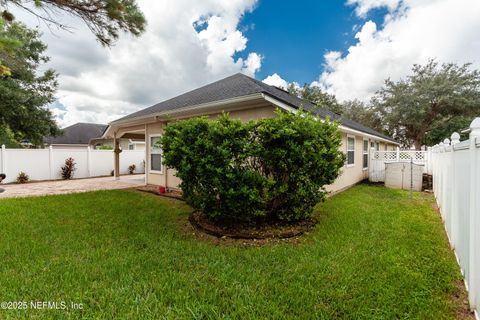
x,y
239,85
79,133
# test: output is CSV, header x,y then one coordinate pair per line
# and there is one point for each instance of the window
x,y
131,146
155,154
350,150
365,154
377,146
385,147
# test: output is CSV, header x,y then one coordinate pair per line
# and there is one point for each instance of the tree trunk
x,y
418,143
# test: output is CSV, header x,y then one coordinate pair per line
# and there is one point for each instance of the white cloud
x,y
413,32
364,6
276,80
187,44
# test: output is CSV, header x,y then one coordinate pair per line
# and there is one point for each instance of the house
x,y
82,135
246,99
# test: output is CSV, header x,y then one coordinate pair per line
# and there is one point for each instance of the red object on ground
x,y
162,189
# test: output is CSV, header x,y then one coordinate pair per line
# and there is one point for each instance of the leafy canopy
x,y
271,169
26,91
105,18
317,97
429,99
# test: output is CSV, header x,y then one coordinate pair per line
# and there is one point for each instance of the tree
x,y
362,113
27,90
432,95
105,18
316,96
444,129
269,170
7,45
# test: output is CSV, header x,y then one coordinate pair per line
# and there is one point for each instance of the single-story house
x,y
82,135
244,98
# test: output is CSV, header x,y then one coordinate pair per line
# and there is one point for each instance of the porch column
x,y
116,153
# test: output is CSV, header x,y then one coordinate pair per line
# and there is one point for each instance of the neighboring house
x,y
243,98
82,135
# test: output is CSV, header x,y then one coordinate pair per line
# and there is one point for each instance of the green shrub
x,y
22,177
104,147
271,169
132,168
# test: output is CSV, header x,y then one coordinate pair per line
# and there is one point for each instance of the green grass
x,y
376,254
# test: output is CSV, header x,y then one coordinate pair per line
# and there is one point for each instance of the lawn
x,y
376,254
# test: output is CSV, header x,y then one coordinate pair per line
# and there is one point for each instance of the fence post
x,y
50,163
453,192
371,164
474,215
398,154
89,174
4,159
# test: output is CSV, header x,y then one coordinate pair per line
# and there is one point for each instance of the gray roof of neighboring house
x,y
239,85
79,133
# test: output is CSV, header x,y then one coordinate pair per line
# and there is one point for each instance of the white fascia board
x,y
280,104
192,108
357,132
341,127
203,106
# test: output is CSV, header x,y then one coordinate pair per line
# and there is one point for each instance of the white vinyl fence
x,y
45,164
378,159
456,184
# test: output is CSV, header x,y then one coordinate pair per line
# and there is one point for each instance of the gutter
x,y
210,105
203,106
341,126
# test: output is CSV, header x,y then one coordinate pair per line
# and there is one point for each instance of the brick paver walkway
x,y
70,186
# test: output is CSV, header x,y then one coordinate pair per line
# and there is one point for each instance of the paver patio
x,y
71,186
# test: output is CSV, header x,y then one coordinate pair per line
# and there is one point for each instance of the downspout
x,y
166,169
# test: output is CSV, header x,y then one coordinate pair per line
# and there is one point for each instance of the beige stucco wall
x,y
350,175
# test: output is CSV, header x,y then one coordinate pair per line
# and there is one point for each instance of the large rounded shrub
x,y
270,169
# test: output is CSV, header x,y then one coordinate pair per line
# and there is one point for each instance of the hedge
x,y
271,169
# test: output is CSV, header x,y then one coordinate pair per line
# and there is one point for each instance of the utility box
x,y
398,174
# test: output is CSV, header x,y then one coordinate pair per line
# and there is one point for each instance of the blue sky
x,y
188,44
294,38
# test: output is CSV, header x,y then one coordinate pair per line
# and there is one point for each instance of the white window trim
x,y
354,143
365,153
150,154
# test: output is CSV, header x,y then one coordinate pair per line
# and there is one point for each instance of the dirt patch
x,y
170,193
278,230
460,299
187,228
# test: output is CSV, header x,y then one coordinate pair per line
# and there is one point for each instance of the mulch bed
x,y
279,230
154,189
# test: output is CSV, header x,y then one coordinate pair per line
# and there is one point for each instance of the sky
x,y
346,47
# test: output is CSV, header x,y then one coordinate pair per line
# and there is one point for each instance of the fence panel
x,y
101,162
455,167
45,164
378,159
80,157
132,157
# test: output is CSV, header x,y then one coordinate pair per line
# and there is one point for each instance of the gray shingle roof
x,y
239,85
79,133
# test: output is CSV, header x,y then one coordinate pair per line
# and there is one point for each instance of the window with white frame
x,y
350,150
365,153
155,154
131,146
377,146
